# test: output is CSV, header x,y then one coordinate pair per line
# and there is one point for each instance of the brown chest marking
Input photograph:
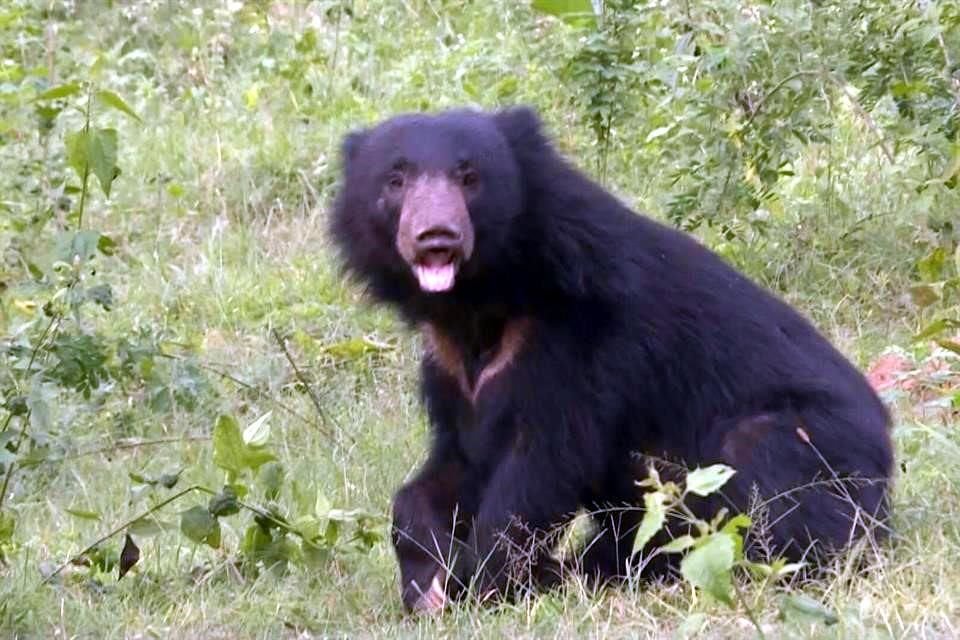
x,y
447,356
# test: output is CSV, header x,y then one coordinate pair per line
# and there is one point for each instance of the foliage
x,y
712,550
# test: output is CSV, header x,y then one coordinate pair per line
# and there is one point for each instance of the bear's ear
x,y
521,126
351,143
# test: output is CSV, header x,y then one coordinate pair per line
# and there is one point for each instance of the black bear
x,y
566,335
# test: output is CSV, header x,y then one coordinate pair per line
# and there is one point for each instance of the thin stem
x,y
86,166
123,526
26,418
310,392
750,614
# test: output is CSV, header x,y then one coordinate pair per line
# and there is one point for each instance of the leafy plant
x,y
712,550
271,541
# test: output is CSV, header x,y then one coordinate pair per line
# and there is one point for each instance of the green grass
x,y
220,213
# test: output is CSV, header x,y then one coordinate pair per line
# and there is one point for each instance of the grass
x,y
220,213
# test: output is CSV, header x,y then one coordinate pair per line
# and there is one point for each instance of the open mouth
x,y
436,270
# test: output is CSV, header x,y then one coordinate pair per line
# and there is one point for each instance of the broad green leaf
x,y
932,329
733,527
228,447
270,478
80,245
659,132
930,267
60,91
654,515
573,11
804,608
708,480
315,556
258,432
83,514
111,99
106,245
708,567
308,526
255,541
147,526
229,450
101,294
678,545
7,458
8,525
169,480
94,150
200,526
224,503
950,345
355,348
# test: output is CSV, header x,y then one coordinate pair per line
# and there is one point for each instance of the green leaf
x,y
572,11
803,608
229,450
60,91
147,526
106,245
654,515
935,327
678,545
708,567
224,503
257,434
94,150
703,482
80,245
200,526
930,267
271,479
169,480
355,348
101,294
110,99
950,345
255,541
228,447
8,525
83,514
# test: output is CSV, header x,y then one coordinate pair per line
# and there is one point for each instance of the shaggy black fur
x,y
640,341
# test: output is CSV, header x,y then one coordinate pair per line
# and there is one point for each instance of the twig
x,y
120,446
948,70
241,383
750,614
867,119
26,417
310,392
780,85
123,526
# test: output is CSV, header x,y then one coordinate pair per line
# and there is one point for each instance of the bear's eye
x,y
469,178
395,180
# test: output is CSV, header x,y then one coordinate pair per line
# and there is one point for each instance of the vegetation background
x,y
176,341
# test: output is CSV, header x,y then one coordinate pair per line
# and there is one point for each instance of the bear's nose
x,y
442,237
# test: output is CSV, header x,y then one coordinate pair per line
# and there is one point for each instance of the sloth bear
x,y
568,343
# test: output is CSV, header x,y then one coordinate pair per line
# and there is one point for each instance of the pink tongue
x,y
435,278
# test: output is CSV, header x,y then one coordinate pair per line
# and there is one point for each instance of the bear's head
x,y
427,202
